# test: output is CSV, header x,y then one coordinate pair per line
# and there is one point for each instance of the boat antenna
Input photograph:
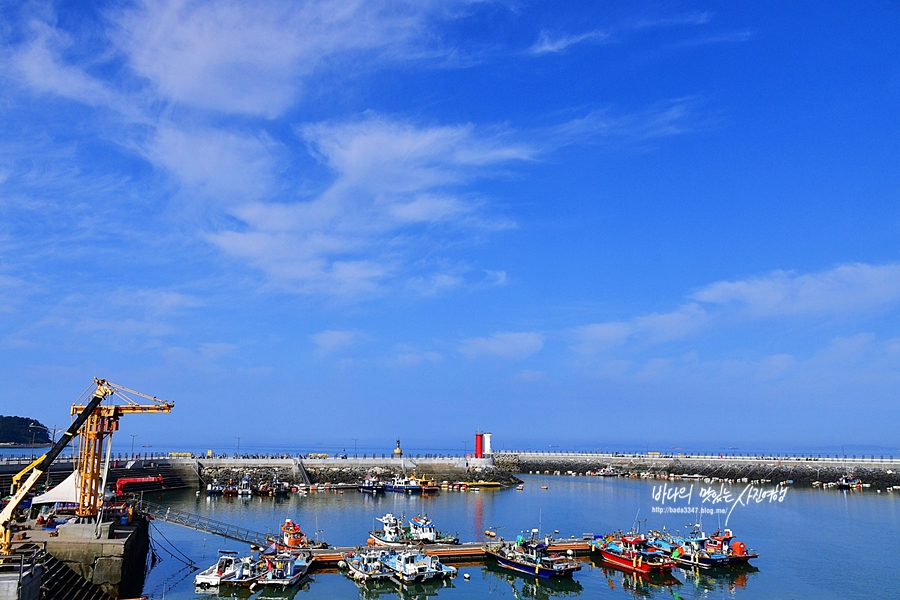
x,y
635,523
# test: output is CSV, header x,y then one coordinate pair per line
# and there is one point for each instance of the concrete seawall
x,y
351,470
807,469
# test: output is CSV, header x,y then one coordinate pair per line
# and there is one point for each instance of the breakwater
x,y
799,469
351,471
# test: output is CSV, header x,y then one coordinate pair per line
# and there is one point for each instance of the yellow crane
x,y
42,464
101,422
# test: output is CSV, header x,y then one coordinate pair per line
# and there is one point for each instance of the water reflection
x,y
639,585
370,590
539,588
263,593
728,580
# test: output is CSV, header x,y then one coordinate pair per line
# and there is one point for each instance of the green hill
x,y
16,430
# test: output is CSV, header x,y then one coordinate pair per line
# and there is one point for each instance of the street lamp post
x,y
133,435
354,447
34,426
238,446
465,444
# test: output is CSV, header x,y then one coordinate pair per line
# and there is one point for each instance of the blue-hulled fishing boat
x,y
532,557
696,549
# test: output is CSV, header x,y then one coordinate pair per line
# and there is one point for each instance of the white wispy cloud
x,y
214,163
408,355
840,290
677,116
389,177
508,345
255,59
37,63
843,291
552,43
332,340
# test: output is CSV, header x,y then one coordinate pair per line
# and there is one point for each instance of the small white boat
x,y
244,488
414,566
285,569
392,534
366,565
227,565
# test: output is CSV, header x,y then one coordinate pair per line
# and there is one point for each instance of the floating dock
x,y
467,551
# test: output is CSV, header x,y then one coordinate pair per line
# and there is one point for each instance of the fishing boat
x,y
226,565
214,488
292,536
406,485
849,482
391,534
285,569
371,486
366,565
705,552
421,529
414,566
244,488
229,489
531,557
429,487
248,572
632,552
485,485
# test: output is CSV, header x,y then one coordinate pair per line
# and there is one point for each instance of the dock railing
x,y
201,523
22,563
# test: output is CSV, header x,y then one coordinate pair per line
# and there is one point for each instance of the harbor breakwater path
x,y
304,471
196,471
877,471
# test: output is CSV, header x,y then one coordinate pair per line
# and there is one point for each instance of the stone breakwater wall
x,y
776,470
354,474
255,473
351,474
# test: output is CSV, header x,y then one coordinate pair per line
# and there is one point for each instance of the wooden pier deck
x,y
467,551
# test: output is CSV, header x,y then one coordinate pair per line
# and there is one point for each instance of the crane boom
x,y
6,515
102,421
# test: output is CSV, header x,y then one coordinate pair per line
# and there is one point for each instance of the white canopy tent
x,y
66,491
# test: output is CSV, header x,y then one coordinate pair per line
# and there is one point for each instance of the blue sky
x,y
566,223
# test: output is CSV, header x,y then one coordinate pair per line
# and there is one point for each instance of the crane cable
x,y
186,559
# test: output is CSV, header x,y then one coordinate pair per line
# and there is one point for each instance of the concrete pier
x,y
114,563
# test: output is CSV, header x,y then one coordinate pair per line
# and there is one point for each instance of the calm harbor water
x,y
813,543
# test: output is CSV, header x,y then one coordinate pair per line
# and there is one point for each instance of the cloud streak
x,y
506,345
390,179
548,43
844,291
255,59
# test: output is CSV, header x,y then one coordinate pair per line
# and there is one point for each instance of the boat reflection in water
x,y
725,579
639,585
261,592
373,589
530,586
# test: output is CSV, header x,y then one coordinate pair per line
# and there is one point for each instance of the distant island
x,y
16,431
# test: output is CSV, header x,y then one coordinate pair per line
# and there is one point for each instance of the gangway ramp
x,y
201,523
